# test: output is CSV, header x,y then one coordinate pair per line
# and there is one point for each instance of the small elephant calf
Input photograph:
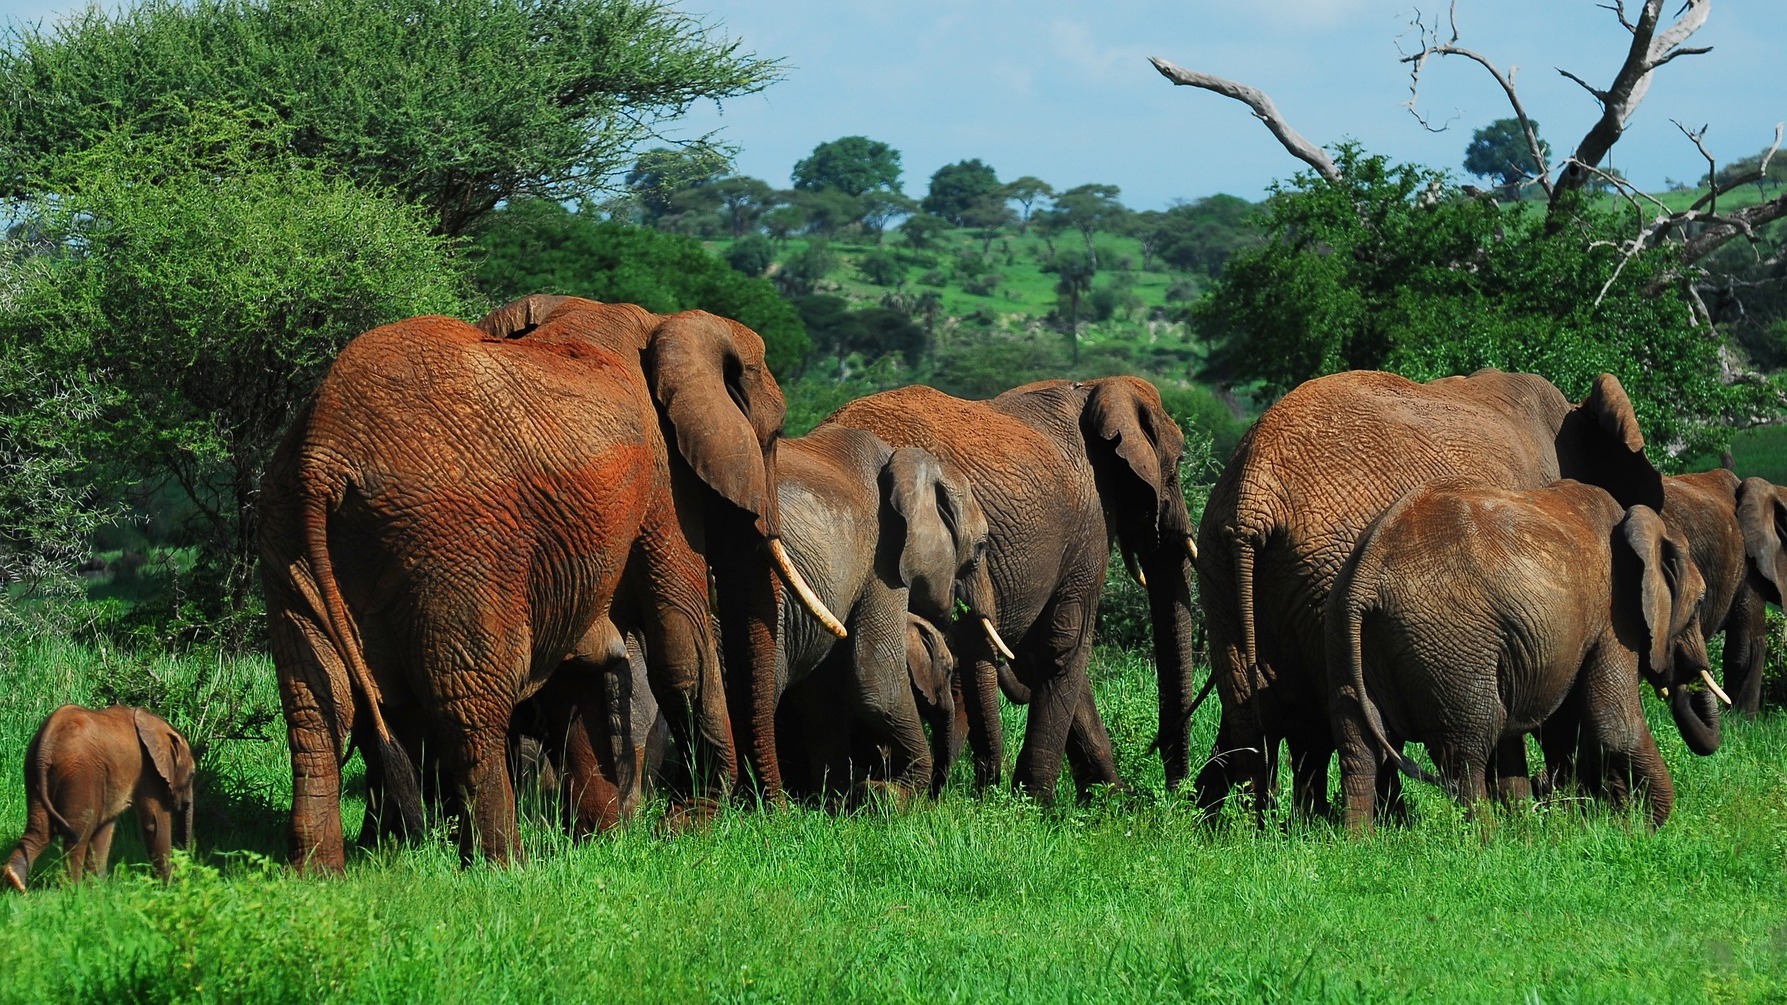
x,y
84,768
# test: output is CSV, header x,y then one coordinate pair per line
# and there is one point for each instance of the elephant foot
x,y
15,873
1101,792
681,817
890,797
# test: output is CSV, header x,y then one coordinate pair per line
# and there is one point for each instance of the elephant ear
x,y
518,317
166,748
699,378
913,485
1668,587
1600,443
1762,515
1126,413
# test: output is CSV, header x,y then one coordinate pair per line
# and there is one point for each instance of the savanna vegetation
x,y
207,200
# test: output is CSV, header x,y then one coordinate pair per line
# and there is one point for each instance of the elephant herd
x,y
1462,563
576,527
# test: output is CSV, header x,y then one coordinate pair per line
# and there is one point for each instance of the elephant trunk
x,y
1169,602
748,593
1696,714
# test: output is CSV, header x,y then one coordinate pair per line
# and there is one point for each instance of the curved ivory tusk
x,y
1716,689
1191,548
1135,569
1663,693
993,637
808,598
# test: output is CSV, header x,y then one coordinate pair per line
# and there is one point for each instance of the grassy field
x,y
989,898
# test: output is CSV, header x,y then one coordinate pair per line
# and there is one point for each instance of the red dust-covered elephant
x,y
457,514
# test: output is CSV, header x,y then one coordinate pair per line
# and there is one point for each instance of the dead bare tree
x,y
1698,230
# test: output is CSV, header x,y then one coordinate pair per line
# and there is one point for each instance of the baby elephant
x,y
84,768
1468,615
934,687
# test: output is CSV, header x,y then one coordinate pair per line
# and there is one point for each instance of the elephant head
x,y
172,759
1135,448
1669,592
932,667
708,375
943,549
1599,442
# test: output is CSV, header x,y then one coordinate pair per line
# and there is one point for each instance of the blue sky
x,y
1064,90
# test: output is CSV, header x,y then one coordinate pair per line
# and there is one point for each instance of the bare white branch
x,y
1263,109
1650,49
1431,46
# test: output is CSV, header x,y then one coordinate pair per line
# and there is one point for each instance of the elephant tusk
x,y
1191,548
811,600
1707,676
1135,570
1663,693
1004,650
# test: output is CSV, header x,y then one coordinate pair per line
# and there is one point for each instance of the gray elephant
x,y
1064,469
1310,475
1467,615
84,768
882,535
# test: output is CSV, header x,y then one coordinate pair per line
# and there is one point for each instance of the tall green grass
x,y
972,898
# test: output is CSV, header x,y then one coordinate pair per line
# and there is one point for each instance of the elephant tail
x,y
39,761
1245,549
402,786
1352,628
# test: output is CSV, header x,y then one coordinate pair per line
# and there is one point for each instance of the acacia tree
x,y
1500,153
1088,209
455,105
1026,191
201,289
852,165
955,187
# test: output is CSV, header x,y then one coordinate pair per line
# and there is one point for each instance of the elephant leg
x,y
480,761
1746,652
1238,757
1392,804
1089,755
155,820
1508,771
1362,768
684,668
1618,733
313,690
1310,748
1058,684
17,871
99,847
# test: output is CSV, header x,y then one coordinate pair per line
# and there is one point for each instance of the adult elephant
x,y
881,534
453,515
1307,480
1062,468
